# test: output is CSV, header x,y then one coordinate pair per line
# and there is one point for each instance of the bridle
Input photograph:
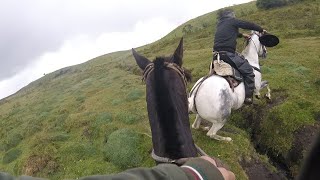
x,y
150,67
264,49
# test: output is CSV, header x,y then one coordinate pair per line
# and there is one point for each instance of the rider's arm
x,y
247,25
194,168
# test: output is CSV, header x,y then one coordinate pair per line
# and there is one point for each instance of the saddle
x,y
225,70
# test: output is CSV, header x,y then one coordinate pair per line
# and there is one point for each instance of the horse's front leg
x,y
265,84
268,95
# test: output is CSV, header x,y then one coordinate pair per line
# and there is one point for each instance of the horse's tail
x,y
165,111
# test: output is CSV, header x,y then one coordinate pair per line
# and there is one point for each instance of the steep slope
x,y
92,119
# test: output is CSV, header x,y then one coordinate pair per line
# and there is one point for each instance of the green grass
x,y
66,120
122,149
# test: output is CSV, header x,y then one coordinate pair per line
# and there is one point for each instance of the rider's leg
x,y
246,70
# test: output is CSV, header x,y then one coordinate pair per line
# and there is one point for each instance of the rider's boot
x,y
248,100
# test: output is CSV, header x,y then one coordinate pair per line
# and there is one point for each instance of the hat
x,y
269,40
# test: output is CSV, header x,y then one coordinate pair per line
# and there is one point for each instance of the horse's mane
x,y
165,108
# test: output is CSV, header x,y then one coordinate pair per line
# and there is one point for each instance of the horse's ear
x,y
141,61
178,54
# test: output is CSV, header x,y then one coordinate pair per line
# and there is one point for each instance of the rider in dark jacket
x,y
225,43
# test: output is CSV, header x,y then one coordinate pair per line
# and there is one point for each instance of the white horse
x,y
212,99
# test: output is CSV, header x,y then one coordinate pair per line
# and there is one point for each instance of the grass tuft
x,y
11,156
135,95
122,149
128,117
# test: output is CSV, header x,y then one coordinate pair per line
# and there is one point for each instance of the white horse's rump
x,y
212,99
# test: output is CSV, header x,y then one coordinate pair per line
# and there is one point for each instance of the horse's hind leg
x,y
197,122
212,133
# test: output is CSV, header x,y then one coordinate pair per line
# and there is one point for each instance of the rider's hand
x,y
247,36
228,175
264,31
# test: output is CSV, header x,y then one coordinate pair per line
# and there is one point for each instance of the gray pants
x,y
242,65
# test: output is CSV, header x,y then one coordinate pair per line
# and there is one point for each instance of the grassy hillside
x,y
92,119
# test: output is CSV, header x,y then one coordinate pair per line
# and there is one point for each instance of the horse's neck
x,y
251,54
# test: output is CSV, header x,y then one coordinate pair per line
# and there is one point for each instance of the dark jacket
x,y
227,32
191,170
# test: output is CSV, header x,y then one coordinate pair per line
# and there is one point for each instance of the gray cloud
x,y
31,27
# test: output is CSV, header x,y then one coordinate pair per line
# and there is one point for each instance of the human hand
x,y
227,175
247,36
264,31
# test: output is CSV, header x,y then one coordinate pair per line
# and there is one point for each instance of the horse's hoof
x,y
267,96
207,128
194,127
220,138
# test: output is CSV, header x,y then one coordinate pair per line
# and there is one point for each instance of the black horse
x,y
167,105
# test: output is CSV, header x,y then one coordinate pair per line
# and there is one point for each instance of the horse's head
x,y
261,49
167,104
254,43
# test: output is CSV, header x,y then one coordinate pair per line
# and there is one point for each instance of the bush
x,y
103,118
78,151
268,4
116,102
123,149
11,156
127,117
13,141
134,95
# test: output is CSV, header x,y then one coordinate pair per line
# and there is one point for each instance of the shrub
x,y
78,151
302,70
268,4
60,137
122,149
134,95
317,83
13,141
103,118
11,156
127,117
116,102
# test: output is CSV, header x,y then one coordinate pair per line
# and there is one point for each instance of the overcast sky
x,y
41,36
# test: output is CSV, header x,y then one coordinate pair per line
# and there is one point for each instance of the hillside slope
x,y
91,118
